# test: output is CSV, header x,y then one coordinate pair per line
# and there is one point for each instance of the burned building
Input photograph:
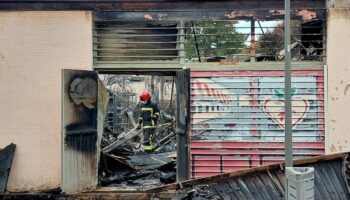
x,y
228,113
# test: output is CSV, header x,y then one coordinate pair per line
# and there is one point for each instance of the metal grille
x,y
237,118
227,41
135,42
253,41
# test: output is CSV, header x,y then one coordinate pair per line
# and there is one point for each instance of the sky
x,y
244,27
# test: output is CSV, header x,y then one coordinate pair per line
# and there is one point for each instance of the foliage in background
x,y
213,39
272,41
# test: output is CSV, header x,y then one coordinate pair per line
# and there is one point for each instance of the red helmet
x,y
145,96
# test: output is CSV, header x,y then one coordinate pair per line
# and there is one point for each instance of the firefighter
x,y
149,114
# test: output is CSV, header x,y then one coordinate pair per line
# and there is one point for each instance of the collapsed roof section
x,y
268,182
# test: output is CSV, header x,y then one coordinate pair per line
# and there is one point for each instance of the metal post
x,y
287,89
252,40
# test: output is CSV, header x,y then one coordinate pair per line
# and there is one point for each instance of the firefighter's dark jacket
x,y
149,114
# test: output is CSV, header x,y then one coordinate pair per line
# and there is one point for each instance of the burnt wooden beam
x,y
127,69
163,10
121,141
198,15
182,125
157,5
6,157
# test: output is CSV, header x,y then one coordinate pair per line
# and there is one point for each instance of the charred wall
x,y
134,41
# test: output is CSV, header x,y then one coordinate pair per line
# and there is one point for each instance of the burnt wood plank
x,y
318,195
276,182
337,168
261,187
281,178
332,181
229,190
237,190
6,157
320,185
245,188
271,188
253,189
218,187
337,183
327,182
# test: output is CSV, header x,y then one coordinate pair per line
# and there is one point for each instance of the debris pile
x,y
140,171
123,162
199,192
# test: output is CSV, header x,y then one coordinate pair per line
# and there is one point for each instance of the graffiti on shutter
x,y
237,118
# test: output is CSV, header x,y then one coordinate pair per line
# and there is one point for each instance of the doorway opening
x,y
102,144
124,162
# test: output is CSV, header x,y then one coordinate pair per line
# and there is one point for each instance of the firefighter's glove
x,y
138,127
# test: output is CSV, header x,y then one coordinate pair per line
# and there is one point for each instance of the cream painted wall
x,y
338,61
34,47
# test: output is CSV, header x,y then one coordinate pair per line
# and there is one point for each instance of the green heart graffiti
x,y
280,93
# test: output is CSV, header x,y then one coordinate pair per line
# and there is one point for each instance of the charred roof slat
x,y
155,5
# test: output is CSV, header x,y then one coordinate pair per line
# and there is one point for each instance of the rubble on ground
x,y
199,192
141,170
123,162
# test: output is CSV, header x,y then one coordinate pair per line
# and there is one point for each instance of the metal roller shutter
x,y
237,118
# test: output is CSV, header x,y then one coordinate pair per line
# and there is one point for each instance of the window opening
x,y
252,41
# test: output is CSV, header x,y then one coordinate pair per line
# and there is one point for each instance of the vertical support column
x,y
182,124
287,97
324,41
252,41
181,42
287,89
94,42
182,117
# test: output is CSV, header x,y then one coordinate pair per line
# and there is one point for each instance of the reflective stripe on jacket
x,y
149,113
